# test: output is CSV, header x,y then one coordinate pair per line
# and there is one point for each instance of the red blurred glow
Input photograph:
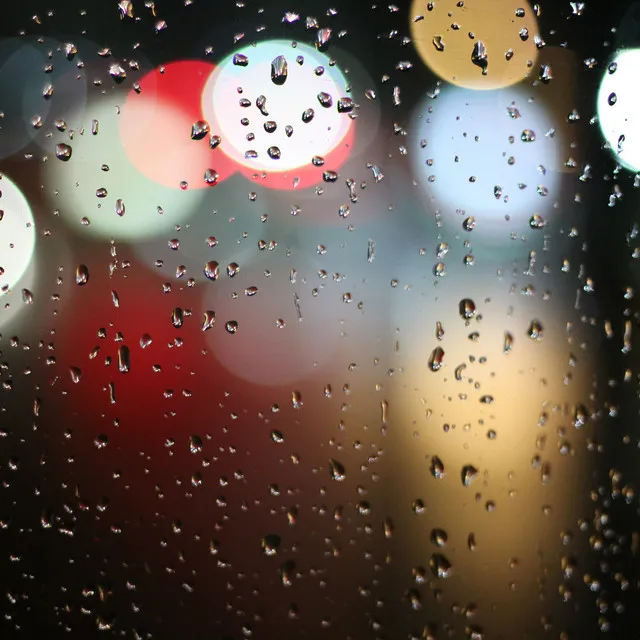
x,y
156,125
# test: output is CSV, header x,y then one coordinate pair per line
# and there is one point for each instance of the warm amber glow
x,y
446,36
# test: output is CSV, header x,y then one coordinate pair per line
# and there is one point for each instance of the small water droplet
x,y
307,115
270,544
535,330
468,474
231,326
337,470
440,566
199,129
274,153
82,274
436,358
436,467
528,135
240,60
345,105
124,359
63,152
439,537
325,99
467,309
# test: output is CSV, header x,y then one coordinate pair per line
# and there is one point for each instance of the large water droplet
x,y
63,152
479,56
279,70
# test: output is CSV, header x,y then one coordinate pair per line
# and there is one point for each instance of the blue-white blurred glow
x,y
489,155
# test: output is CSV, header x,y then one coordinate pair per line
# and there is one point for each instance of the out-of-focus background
x,y
318,321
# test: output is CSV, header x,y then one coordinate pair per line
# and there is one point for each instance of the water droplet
x,y
337,470
199,130
124,359
467,309
209,320
438,43
436,467
120,208
270,126
117,72
307,115
545,74
214,141
274,153
211,177
436,358
345,105
535,330
212,270
279,70
261,103
508,342
27,296
468,474
233,268
145,341
240,60
440,270
439,537
296,400
270,544
325,99
231,326
479,56
63,152
469,224
322,39
440,566
612,99
76,374
528,135
536,221
471,542
177,317
82,274
288,130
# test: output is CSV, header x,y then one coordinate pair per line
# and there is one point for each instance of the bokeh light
x,y
156,127
17,234
485,160
99,192
37,86
279,125
447,34
618,100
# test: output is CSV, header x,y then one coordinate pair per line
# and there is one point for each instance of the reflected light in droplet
x,y
618,108
285,104
155,127
497,26
17,234
98,175
476,163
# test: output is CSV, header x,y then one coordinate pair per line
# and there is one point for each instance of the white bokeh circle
x,y
618,102
284,104
17,234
